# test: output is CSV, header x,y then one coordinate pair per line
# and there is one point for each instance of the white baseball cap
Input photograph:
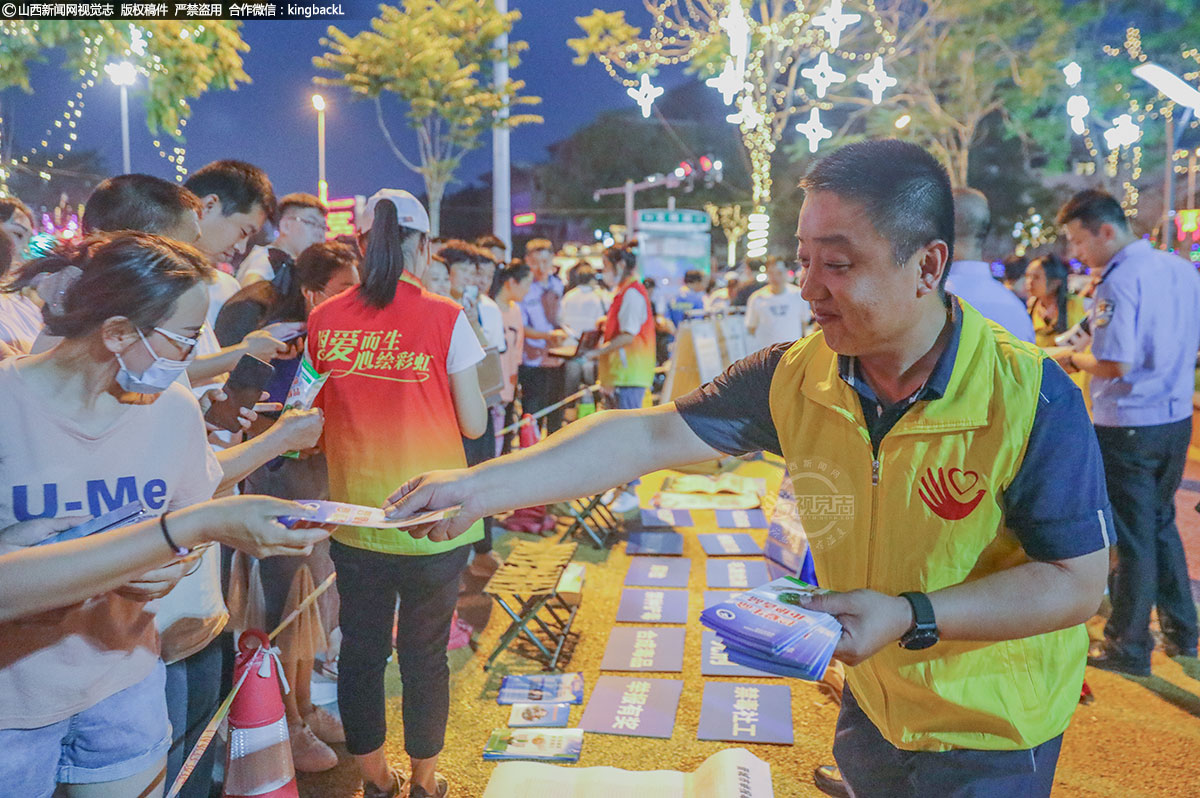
x,y
409,209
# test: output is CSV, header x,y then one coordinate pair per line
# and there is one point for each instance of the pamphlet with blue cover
x,y
767,629
542,745
541,688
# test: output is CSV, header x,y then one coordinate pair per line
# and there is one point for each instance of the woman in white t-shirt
x,y
91,425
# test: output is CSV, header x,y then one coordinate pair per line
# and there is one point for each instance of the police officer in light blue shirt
x,y
1145,323
971,277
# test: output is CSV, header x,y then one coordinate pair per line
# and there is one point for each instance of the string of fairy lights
x,y
61,137
775,69
1122,134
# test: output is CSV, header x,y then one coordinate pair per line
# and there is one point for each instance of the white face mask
x,y
161,373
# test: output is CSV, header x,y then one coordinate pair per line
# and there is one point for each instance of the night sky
x,y
271,122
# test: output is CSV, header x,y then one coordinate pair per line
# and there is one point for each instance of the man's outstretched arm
x,y
585,458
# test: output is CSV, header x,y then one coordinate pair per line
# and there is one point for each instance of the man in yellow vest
x,y
922,442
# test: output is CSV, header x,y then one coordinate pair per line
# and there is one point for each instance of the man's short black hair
x,y
693,276
137,202
905,192
238,185
1092,208
490,241
300,201
10,205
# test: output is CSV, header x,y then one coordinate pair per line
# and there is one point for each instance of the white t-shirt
x,y
465,350
255,266
20,322
633,312
777,318
58,663
580,309
492,323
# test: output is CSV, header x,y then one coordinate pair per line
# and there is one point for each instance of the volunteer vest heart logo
x,y
952,493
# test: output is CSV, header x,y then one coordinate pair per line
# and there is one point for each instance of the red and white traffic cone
x,y
529,519
259,760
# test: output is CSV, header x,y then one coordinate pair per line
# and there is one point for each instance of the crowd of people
x,y
115,348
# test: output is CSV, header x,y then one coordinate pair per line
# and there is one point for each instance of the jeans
x,y
121,736
193,695
427,588
1143,467
628,398
874,768
542,386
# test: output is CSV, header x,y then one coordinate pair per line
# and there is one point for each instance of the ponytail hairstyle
x,y
518,270
1055,268
391,249
136,275
623,257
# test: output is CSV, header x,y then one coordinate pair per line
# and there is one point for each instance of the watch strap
x,y
922,609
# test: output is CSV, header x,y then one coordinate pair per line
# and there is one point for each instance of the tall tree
x,y
434,55
180,60
969,60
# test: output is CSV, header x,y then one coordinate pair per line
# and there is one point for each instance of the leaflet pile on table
x,y
766,628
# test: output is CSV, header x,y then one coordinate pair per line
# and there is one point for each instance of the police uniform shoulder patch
x,y
1102,313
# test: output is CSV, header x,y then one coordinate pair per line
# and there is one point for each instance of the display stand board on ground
x,y
746,713
632,706
640,605
654,544
736,574
729,544
741,519
653,649
654,517
658,572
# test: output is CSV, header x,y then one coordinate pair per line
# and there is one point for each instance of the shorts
x,y
119,737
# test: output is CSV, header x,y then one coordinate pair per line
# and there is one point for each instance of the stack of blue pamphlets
x,y
767,629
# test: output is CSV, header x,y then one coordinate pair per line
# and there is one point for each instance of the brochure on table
x,y
732,773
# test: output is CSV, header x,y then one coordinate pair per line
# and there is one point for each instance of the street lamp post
x,y
123,75
1179,92
322,187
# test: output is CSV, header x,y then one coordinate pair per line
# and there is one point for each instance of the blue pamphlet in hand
x,y
767,629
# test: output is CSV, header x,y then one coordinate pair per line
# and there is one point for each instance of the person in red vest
x,y
626,356
402,392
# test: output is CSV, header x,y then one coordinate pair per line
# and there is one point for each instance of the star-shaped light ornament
x,y
747,114
1078,108
813,130
1123,133
877,80
645,95
823,75
737,27
835,20
729,82
1073,74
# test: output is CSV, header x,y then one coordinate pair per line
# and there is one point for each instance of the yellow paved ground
x,y
1140,737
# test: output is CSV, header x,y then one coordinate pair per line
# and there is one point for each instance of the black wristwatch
x,y
924,632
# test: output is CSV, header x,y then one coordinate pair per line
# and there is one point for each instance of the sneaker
x,y
828,779
417,791
393,790
625,503
310,755
1110,660
325,725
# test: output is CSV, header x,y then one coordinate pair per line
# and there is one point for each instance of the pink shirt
x,y
61,662
510,358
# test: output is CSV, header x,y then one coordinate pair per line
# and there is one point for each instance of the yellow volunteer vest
x,y
923,515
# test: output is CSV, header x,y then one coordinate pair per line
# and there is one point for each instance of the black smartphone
x,y
121,516
242,390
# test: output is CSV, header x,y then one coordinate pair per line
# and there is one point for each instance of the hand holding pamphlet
x,y
767,628
342,514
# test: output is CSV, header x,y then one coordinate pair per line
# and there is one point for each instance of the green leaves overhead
x,y
179,61
436,56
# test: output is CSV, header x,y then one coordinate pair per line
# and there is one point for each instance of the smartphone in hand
x,y
243,390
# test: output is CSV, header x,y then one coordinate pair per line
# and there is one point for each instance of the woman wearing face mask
x,y
91,425
322,271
